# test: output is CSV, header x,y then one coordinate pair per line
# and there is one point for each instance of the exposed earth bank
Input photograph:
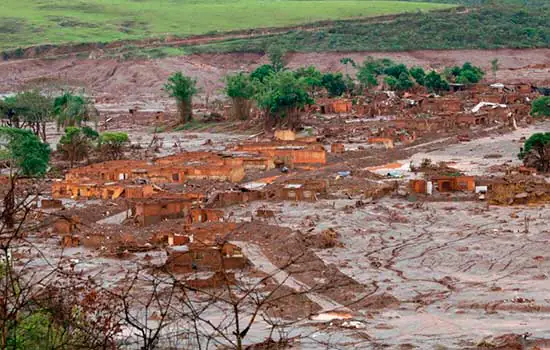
x,y
131,80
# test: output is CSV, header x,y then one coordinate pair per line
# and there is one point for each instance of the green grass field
x,y
31,22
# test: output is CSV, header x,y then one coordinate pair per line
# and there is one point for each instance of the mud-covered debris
x,y
506,341
379,302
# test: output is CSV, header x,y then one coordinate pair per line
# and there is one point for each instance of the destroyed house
x,y
443,184
441,104
200,257
454,183
288,153
65,225
199,215
206,233
299,190
203,280
331,106
227,198
171,169
519,189
150,212
110,190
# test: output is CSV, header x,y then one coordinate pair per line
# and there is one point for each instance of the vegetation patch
x,y
10,25
71,22
485,28
158,18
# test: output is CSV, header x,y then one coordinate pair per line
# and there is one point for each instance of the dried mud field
x,y
450,274
408,271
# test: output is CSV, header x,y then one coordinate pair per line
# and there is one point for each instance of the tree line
x,y
281,93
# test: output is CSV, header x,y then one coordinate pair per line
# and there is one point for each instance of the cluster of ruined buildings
x,y
517,186
386,118
202,245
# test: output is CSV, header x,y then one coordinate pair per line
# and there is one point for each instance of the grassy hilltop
x,y
30,22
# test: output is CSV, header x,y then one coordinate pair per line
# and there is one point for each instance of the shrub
x,y
540,107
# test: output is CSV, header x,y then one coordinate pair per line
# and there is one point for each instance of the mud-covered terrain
x,y
134,80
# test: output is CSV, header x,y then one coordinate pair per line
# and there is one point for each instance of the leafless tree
x,y
45,303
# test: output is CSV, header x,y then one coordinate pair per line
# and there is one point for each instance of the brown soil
x,y
128,81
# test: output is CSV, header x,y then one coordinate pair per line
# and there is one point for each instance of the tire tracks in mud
x,y
424,238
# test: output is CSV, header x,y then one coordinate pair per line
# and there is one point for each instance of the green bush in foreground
x,y
540,107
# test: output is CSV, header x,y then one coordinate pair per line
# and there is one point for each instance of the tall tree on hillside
x,y
24,155
347,60
71,110
418,74
240,89
75,145
540,107
112,144
262,72
29,109
371,68
434,82
182,88
277,57
334,83
281,97
312,77
37,111
536,151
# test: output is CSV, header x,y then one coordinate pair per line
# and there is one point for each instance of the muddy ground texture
x,y
411,273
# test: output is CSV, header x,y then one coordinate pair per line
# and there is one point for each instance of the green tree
x,y
536,151
35,110
391,82
262,72
396,70
371,68
467,77
346,61
281,97
467,74
71,110
418,74
182,88
76,143
350,85
29,109
26,155
312,77
334,83
10,111
540,107
35,331
367,79
240,88
404,82
112,144
435,83
276,55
